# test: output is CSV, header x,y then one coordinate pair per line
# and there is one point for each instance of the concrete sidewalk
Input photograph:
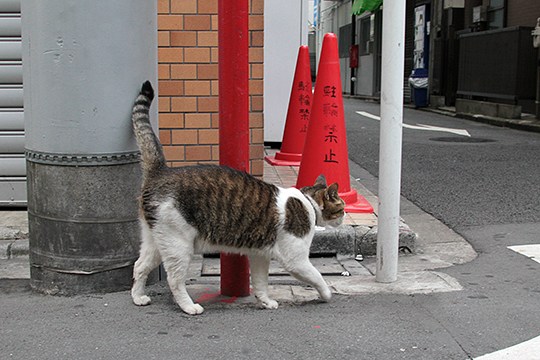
x,y
425,243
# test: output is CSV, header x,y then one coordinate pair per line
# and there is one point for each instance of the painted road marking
x,y
368,115
420,126
531,251
529,349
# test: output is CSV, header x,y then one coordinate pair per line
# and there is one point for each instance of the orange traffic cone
x,y
298,113
325,150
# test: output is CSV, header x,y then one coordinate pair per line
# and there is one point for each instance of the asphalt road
x,y
489,178
488,192
109,326
485,187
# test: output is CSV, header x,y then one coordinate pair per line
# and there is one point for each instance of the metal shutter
x,y
12,161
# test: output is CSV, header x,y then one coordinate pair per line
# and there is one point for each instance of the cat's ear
x,y
332,192
321,180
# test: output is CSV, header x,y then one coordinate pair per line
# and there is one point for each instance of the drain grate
x,y
462,139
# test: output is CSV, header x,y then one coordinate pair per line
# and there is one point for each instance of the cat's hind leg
x,y
294,257
149,259
177,269
259,266
176,254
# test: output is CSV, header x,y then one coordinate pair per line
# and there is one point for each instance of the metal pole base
x,y
83,227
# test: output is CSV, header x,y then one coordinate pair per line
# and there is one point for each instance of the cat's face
x,y
333,209
331,205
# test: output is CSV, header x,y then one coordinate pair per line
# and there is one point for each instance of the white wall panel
x,y
285,30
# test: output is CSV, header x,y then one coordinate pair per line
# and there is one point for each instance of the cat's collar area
x,y
318,212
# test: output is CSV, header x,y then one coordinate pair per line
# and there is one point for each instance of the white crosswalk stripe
x,y
530,349
531,251
527,350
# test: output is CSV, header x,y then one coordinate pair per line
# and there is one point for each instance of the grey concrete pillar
x,y
83,65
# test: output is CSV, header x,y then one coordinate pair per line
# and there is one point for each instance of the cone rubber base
x,y
355,203
284,159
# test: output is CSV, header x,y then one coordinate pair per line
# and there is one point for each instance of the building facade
x,y
188,81
187,89
483,52
471,50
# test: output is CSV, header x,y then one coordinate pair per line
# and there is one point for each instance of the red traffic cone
x,y
298,113
325,150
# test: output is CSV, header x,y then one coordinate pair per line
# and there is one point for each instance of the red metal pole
x,y
233,119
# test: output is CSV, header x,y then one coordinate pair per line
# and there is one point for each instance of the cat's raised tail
x,y
153,159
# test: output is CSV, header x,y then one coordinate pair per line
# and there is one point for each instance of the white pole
x,y
393,44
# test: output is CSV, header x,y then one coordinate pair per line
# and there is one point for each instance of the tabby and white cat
x,y
213,208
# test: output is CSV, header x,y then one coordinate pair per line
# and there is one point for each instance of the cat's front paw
x,y
194,309
326,294
270,304
141,300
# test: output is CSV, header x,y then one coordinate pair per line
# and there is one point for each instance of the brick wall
x,y
188,81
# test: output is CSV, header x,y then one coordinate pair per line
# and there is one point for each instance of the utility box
x,y
499,65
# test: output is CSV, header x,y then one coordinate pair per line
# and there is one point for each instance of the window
x,y
366,29
496,14
344,40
